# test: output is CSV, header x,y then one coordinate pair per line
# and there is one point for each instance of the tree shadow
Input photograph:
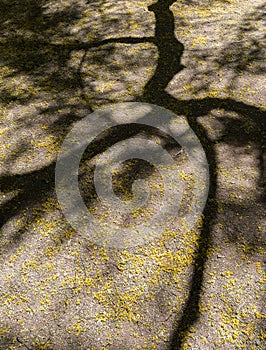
x,y
170,51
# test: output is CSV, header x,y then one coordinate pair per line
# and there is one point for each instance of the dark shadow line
x,y
80,81
95,44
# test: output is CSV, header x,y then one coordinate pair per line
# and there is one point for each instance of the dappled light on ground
x,y
60,60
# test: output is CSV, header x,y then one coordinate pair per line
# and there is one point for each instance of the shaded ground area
x,y
198,290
